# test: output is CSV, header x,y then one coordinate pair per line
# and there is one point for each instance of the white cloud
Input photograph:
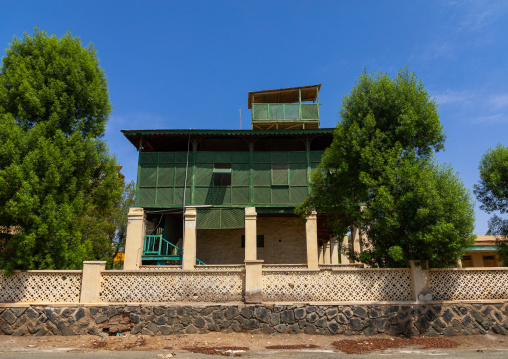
x,y
491,119
450,96
499,101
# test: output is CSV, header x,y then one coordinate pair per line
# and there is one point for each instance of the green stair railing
x,y
156,248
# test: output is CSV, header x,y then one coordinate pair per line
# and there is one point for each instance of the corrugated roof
x,y
128,133
285,95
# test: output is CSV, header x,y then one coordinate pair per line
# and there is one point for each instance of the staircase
x,y
156,248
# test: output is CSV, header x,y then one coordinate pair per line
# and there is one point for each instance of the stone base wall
x,y
395,320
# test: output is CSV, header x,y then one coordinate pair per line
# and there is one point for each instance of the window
x,y
222,174
260,241
280,174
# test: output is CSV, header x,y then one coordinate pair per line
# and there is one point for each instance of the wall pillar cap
x,y
94,262
254,261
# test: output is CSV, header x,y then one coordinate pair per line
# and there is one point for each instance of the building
x,y
482,254
235,190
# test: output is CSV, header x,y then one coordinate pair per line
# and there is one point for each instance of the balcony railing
x,y
305,112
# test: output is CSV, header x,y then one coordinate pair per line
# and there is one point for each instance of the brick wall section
x,y
223,246
395,320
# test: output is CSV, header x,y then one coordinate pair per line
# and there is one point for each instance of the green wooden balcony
x,y
285,115
156,248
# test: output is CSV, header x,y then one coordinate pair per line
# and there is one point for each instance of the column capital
x,y
190,212
250,213
136,212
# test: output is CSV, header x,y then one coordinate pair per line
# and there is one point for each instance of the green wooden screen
x,y
278,178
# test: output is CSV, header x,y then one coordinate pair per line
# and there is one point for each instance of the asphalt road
x,y
293,354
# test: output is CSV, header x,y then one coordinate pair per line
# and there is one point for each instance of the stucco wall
x,y
284,243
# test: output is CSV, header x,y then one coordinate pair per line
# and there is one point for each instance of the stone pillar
x,y
334,251
420,283
320,254
189,239
311,239
91,281
345,244
253,281
250,233
327,253
134,238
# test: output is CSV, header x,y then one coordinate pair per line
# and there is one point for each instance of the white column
x,y
354,243
311,239
334,251
345,244
327,253
134,239
189,239
250,233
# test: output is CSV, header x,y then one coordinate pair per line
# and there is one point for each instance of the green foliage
x,y
492,192
60,190
379,175
56,80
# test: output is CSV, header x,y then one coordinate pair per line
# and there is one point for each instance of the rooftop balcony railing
x,y
277,112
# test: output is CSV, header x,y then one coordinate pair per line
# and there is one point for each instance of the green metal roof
x,y
128,133
482,248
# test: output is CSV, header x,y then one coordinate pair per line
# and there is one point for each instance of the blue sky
x,y
191,63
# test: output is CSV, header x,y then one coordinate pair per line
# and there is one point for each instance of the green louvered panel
x,y
232,218
280,195
181,157
262,174
261,157
298,157
218,195
148,175
207,218
310,111
200,194
220,218
166,175
180,174
146,196
164,196
204,157
313,165
240,174
240,195
178,196
298,194
298,174
166,157
279,157
262,195
280,174
222,157
148,157
204,174
240,157
315,156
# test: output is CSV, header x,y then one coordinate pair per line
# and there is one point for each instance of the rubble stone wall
x,y
433,319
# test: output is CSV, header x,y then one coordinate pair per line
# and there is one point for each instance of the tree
x,y
55,80
492,192
379,174
56,174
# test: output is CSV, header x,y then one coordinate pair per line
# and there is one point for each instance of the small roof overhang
x,y
285,95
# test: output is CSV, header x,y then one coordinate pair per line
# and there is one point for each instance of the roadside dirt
x,y
220,342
